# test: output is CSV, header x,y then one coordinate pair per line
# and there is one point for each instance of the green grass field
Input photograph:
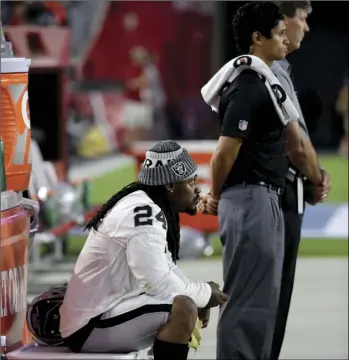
x,y
104,187
308,247
337,167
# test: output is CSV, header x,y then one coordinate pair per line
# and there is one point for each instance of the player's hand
x,y
208,205
217,296
319,193
325,184
202,205
315,195
204,316
212,205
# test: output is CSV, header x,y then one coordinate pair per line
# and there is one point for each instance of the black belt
x,y
277,190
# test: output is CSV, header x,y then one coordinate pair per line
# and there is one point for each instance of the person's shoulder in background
x,y
279,68
281,72
276,67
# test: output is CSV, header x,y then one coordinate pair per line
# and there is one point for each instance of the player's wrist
x,y
320,176
213,195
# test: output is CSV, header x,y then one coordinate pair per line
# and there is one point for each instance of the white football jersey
x,y
123,263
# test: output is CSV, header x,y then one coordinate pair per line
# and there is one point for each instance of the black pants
x,y
293,224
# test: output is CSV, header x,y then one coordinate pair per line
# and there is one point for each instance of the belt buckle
x,y
279,191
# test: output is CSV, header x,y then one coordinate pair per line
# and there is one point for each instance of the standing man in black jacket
x,y
248,175
294,196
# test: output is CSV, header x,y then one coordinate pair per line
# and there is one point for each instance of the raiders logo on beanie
x,y
165,163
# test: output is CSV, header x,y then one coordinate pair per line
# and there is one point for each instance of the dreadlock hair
x,y
159,196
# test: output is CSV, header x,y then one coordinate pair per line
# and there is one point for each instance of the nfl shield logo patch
x,y
179,168
243,125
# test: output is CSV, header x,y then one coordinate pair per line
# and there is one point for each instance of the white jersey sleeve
x,y
173,267
147,258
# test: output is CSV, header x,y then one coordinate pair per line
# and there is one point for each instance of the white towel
x,y
231,70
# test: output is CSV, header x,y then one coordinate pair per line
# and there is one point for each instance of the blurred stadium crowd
x,y
34,13
133,71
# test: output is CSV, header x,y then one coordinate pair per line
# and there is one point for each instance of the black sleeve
x,y
243,104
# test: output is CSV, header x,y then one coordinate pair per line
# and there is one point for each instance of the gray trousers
x,y
252,234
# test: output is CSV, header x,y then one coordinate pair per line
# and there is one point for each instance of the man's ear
x,y
257,38
169,188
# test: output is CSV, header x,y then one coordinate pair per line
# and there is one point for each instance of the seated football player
x,y
127,293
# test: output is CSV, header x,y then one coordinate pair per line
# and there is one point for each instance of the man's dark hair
x,y
289,8
159,195
261,16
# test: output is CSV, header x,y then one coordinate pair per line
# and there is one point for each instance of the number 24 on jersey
x,y
144,216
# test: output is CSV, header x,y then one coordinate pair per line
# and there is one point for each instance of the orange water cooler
x,y
18,214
